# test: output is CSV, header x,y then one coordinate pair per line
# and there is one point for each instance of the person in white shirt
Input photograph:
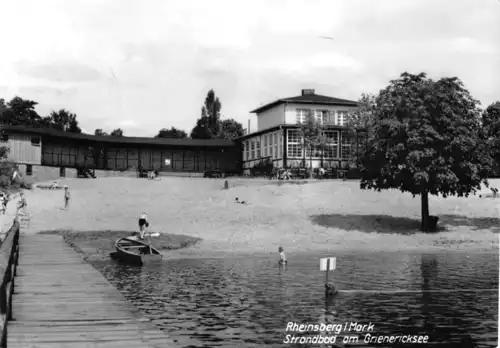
x,y
143,223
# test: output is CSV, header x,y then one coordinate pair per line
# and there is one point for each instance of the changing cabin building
x,y
45,147
278,137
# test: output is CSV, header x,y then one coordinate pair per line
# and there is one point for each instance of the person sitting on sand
x,y
282,260
67,197
143,223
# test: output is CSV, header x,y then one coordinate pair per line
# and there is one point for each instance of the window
x,y
4,137
276,151
271,151
252,154
257,149
29,169
332,144
342,118
62,172
322,116
294,143
265,140
270,139
281,147
35,141
301,115
275,138
346,145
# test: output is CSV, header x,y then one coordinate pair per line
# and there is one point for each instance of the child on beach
x,y
143,223
282,260
67,197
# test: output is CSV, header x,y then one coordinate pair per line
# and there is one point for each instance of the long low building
x,y
48,147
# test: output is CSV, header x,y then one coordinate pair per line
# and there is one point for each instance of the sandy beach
x,y
322,216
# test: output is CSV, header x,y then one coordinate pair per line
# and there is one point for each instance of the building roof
x,y
48,132
307,99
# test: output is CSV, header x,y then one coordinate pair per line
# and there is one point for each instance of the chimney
x,y
248,126
307,91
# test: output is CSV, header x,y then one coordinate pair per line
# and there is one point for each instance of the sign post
x,y
328,264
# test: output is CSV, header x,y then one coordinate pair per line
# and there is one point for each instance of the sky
x,y
146,65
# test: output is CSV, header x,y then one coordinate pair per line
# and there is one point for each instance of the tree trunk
x,y
424,225
322,154
310,165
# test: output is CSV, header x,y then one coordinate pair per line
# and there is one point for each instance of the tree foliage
x,y
362,116
99,132
491,131
118,132
230,129
64,120
425,139
21,112
210,126
311,132
172,133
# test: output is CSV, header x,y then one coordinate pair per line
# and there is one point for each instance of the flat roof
x,y
49,132
307,99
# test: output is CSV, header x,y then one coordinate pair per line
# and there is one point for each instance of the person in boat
x,y
143,223
282,261
67,197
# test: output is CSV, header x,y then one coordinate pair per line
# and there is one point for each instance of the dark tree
x,y
230,129
99,132
22,112
117,133
64,120
202,129
208,125
172,133
426,139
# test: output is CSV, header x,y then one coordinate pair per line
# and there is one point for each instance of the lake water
x,y
246,301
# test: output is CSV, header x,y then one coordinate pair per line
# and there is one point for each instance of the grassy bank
x,y
99,243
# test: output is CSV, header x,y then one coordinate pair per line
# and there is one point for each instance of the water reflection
x,y
248,301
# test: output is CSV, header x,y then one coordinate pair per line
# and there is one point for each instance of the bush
x,y
7,169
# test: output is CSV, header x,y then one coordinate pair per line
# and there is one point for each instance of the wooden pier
x,y
60,301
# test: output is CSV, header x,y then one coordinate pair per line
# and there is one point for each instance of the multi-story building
x,y
278,136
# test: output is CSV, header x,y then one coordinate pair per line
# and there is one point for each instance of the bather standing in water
x,y
282,262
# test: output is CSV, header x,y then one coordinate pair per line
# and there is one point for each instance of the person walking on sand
x,y
143,223
67,197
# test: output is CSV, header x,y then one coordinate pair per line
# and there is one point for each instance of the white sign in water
x,y
324,262
167,162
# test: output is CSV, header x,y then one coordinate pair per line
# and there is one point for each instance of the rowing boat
x,y
136,251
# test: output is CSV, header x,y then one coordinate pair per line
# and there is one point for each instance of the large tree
x,y
425,140
171,133
208,125
64,120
